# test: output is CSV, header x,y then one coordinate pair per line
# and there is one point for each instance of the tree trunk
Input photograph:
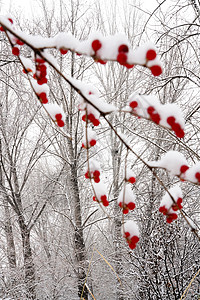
x,y
29,268
80,251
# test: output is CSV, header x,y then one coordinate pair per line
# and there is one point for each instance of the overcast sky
x,y
29,7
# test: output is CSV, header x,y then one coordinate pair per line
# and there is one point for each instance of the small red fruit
x,y
43,98
122,58
131,205
131,180
150,110
183,168
60,123
96,45
96,122
171,120
125,211
156,70
15,51
63,51
197,175
19,42
123,48
151,54
129,66
156,118
11,20
58,117
92,143
133,104
102,62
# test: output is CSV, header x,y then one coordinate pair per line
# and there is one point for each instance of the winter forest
x,y
100,150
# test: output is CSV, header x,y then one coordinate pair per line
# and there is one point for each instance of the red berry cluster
x,y
96,45
103,200
43,98
59,120
132,241
122,56
154,115
169,213
127,207
91,118
176,127
41,71
91,144
93,175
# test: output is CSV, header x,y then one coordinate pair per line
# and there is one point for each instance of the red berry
x,y
132,245
122,58
102,62
60,123
11,20
43,98
171,120
171,218
183,168
179,201
163,210
129,66
96,179
105,203
1,28
87,175
125,211
63,51
92,143
151,54
156,70
197,175
180,133
120,204
19,42
42,81
15,51
131,205
126,234
91,117
123,48
133,104
103,198
131,180
96,45
156,118
94,198
96,173
58,117
150,110
84,118
96,122
135,239
40,60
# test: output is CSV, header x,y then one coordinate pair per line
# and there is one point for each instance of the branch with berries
x,y
102,49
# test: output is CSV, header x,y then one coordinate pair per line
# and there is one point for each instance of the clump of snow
x,y
176,193
172,161
131,227
126,195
